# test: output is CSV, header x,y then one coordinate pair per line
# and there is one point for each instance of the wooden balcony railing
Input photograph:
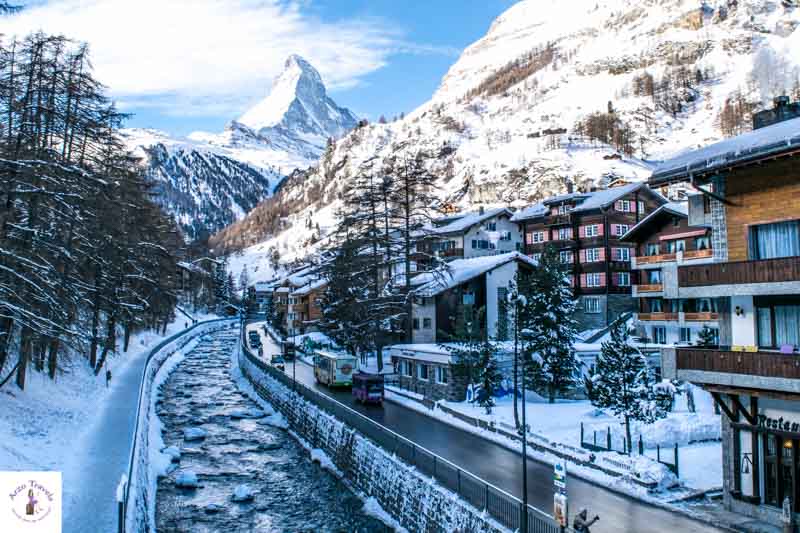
x,y
700,317
452,252
652,287
760,271
654,259
698,254
651,317
758,363
558,220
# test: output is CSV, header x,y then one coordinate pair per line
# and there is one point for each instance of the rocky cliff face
x,y
551,95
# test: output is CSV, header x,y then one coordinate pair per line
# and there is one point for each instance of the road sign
x,y
561,510
560,475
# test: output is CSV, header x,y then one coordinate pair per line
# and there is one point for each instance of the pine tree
x,y
468,344
490,376
706,337
548,326
623,382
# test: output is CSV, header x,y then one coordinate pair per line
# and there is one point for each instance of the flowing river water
x,y
291,494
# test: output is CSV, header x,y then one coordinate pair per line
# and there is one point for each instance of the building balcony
x,y
558,220
681,258
649,290
700,317
452,252
657,317
752,369
758,277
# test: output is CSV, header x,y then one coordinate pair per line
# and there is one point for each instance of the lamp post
x,y
518,300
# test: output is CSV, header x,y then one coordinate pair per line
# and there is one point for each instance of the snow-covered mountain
x,y
551,95
209,180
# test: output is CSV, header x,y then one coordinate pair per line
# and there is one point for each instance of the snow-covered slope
x,y
209,180
508,124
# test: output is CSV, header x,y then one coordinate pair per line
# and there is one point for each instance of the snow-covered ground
x,y
40,426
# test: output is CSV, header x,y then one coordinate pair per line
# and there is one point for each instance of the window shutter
x,y
602,279
615,278
602,254
583,280
582,231
546,236
583,257
600,229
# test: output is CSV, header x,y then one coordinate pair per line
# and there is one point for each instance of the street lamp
x,y
519,300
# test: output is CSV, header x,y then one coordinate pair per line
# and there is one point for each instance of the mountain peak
x,y
298,105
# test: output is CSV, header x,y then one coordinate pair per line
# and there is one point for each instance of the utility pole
x,y
524,430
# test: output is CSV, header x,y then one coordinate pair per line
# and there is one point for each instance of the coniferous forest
x,y
84,251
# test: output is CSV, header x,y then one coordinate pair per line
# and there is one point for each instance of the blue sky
x,y
187,65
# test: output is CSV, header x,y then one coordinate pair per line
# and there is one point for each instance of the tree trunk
x,y
628,432
551,393
6,328
127,337
52,358
109,345
41,348
24,356
380,357
95,325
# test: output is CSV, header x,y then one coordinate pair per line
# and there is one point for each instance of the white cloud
x,y
210,57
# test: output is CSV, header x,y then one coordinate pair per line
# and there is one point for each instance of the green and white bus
x,y
333,369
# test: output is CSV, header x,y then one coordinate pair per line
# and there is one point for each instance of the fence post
x,y
676,461
121,517
458,480
641,445
594,437
658,453
608,438
581,433
434,466
486,496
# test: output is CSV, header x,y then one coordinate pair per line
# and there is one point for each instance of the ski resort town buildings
x,y
750,188
586,228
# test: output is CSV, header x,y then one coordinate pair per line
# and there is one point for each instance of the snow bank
x,y
394,492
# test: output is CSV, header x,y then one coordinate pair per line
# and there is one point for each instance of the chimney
x,y
783,110
480,210
570,187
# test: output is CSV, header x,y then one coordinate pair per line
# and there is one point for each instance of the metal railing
x,y
499,504
124,486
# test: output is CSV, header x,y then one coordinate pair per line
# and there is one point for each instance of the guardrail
x,y
499,504
124,486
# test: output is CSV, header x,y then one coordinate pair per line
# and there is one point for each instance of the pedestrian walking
x,y
108,376
581,524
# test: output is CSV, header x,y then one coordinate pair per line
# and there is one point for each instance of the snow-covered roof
x,y
771,140
586,201
680,209
307,288
429,353
460,271
283,289
264,286
467,220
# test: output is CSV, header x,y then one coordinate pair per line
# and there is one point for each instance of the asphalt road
x,y
502,467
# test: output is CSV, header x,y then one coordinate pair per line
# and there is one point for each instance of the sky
x,y
187,65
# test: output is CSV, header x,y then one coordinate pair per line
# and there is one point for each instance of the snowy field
x,y
41,426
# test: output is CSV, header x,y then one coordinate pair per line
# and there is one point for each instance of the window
x,y
491,226
770,241
676,246
563,209
626,206
405,368
591,305
426,323
594,279
505,236
686,335
415,323
441,375
659,334
655,305
565,256
413,266
778,325
593,230
652,249
623,279
564,234
468,298
621,229
536,256
622,254
653,277
482,244
518,246
702,243
592,255
537,237
641,207
422,372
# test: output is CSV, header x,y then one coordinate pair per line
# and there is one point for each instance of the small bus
x,y
334,370
368,388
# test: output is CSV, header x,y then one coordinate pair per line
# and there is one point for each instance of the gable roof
x,y
460,271
309,287
679,209
467,220
777,139
587,201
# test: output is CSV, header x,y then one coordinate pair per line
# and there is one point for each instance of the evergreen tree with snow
x,y
468,346
706,337
623,382
489,377
549,328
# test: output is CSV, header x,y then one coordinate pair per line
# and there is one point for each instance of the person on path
x,y
108,376
581,524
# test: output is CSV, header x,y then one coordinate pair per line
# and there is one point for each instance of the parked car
x,y
278,362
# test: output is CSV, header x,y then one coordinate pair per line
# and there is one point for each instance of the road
x,y
502,467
